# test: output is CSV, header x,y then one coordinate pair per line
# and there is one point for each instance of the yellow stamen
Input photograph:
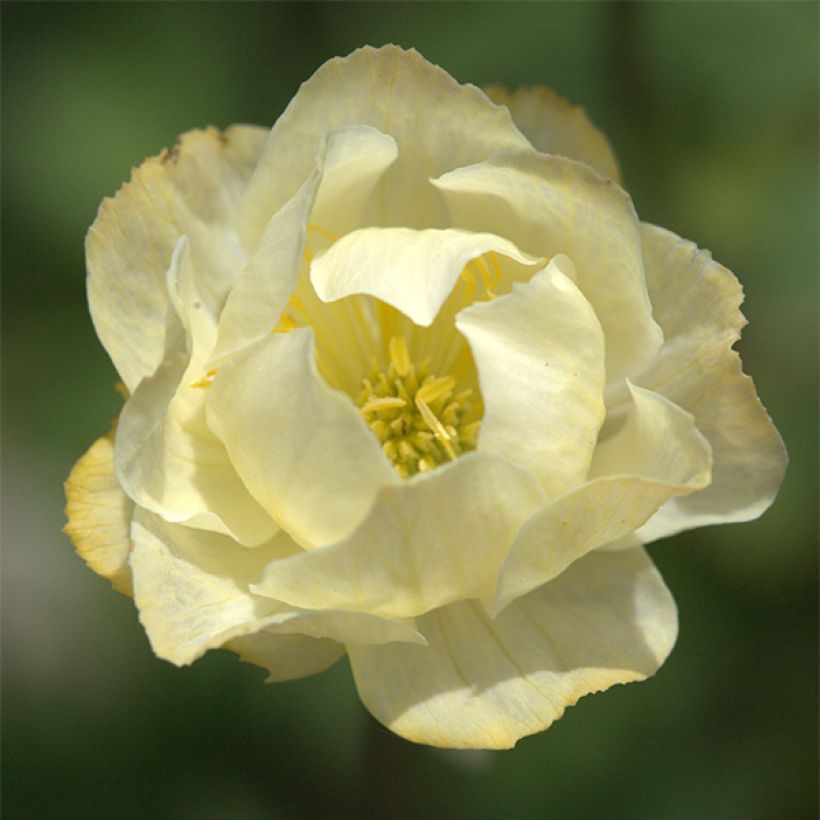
x,y
436,426
496,267
206,380
486,276
435,389
414,413
386,403
467,275
286,324
399,357
323,232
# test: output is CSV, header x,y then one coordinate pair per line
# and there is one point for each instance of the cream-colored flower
x,y
409,383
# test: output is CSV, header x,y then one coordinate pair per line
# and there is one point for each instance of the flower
x,y
408,380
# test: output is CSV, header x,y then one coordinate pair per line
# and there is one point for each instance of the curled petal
x,y
539,354
484,683
355,161
302,449
656,455
436,123
549,205
657,440
414,271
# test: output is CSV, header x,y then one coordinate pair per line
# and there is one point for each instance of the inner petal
x,y
415,385
413,271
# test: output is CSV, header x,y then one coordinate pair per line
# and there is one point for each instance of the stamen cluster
x,y
415,414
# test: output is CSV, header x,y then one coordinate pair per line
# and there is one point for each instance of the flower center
x,y
415,414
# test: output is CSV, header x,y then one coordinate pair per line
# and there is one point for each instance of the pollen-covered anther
x,y
416,415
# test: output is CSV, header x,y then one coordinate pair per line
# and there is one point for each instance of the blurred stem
x,y
386,776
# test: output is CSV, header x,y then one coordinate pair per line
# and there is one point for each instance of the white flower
x,y
486,387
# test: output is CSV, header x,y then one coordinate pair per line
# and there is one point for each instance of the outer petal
x,y
193,190
555,126
656,455
286,657
437,125
696,302
437,538
167,459
193,593
99,515
414,271
345,627
301,448
549,205
484,684
539,352
192,587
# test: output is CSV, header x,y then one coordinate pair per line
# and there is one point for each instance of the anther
x,y
414,413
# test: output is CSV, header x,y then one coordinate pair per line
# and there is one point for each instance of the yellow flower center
x,y
416,415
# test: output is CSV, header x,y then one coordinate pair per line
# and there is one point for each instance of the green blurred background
x,y
713,111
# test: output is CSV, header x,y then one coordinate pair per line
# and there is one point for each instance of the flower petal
x,y
345,627
414,271
437,125
696,302
193,591
184,284
485,683
539,352
286,657
657,454
437,538
166,457
193,190
302,449
555,126
355,160
657,440
346,169
192,587
169,462
99,515
549,205
253,306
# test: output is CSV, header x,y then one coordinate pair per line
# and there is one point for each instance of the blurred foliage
x,y
713,111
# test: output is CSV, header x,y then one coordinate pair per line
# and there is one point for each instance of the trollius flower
x,y
408,380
